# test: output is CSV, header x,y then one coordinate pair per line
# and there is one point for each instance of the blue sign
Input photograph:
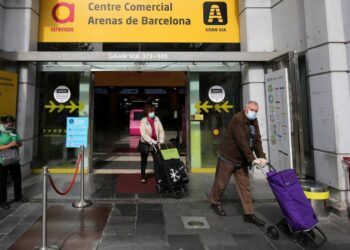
x,y
77,132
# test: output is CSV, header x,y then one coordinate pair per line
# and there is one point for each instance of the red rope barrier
x,y
71,184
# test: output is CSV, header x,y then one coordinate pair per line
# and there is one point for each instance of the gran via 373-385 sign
x,y
139,21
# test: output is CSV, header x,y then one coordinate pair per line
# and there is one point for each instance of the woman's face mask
x,y
151,115
9,126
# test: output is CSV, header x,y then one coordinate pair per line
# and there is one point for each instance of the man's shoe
x,y
5,205
22,199
219,210
251,218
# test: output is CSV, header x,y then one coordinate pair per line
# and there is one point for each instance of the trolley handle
x,y
262,169
156,149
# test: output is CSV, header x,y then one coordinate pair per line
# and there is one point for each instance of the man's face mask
x,y
251,115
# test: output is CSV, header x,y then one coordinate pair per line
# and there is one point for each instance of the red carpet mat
x,y
130,183
125,150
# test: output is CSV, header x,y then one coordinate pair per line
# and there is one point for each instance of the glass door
x,y
213,99
62,94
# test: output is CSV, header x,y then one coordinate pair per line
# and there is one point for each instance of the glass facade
x,y
206,133
52,149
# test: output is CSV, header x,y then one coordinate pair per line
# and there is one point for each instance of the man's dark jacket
x,y
235,147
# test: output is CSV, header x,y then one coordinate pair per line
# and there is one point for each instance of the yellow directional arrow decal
x,y
60,108
206,106
72,107
197,106
218,107
81,106
52,106
225,107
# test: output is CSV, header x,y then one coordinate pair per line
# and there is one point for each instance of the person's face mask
x,y
151,115
9,126
251,115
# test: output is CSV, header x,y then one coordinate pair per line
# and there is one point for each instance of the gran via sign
x,y
139,21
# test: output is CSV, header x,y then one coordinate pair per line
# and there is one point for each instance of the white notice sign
x,y
278,119
62,94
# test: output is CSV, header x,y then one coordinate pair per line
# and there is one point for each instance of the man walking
x,y
242,138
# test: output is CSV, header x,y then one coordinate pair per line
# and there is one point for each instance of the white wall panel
x,y
316,23
252,72
288,23
331,170
243,4
330,57
321,101
335,21
256,30
331,121
346,18
17,29
341,99
34,29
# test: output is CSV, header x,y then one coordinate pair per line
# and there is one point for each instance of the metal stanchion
x,y
82,202
44,222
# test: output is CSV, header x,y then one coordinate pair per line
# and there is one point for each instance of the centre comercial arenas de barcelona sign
x,y
176,21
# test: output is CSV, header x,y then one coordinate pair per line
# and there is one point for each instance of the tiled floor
x,y
149,221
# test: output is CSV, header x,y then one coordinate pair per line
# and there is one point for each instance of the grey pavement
x,y
153,221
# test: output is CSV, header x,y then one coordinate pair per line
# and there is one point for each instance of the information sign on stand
x,y
77,132
278,119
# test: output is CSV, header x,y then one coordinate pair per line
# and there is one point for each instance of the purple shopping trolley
x,y
299,217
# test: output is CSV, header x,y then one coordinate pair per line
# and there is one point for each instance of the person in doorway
x,y
235,155
152,135
10,139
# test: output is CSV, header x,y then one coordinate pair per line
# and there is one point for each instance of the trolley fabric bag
x,y
292,200
172,169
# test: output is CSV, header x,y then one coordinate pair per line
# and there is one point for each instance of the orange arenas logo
x,y
56,11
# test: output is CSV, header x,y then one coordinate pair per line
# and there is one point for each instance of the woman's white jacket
x,y
146,131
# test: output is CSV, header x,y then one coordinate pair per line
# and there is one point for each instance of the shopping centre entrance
x,y
196,94
118,100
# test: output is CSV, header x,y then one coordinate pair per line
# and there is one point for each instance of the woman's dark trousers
x,y
15,172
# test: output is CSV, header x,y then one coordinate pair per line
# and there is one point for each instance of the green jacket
x,y
6,137
235,147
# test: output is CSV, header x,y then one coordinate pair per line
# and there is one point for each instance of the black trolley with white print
x,y
173,175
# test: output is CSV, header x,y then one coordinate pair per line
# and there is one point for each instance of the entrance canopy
x,y
37,56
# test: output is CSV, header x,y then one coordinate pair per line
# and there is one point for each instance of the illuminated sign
x,y
139,21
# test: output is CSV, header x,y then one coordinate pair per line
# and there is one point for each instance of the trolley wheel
x,y
311,234
158,188
302,239
282,225
273,232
